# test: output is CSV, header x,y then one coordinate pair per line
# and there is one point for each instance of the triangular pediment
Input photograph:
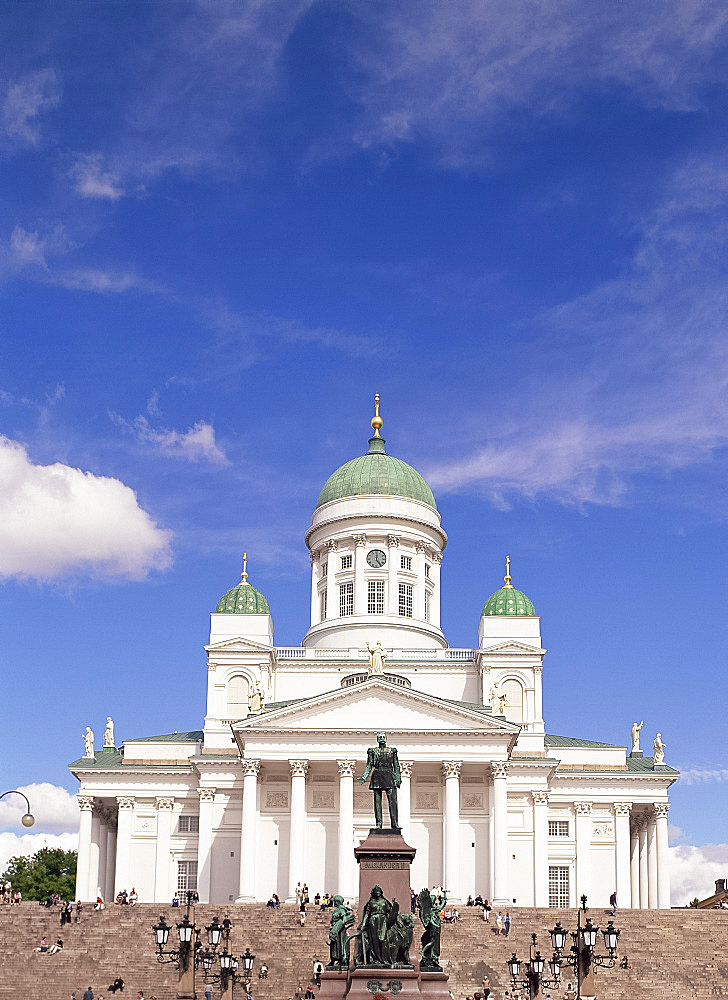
x,y
512,648
239,645
378,705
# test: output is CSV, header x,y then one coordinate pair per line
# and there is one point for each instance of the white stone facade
x,y
254,803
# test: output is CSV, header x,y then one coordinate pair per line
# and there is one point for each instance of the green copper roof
x,y
376,473
242,600
509,601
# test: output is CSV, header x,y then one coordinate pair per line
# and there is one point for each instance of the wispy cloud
x,y
195,444
693,871
703,776
26,99
93,180
53,808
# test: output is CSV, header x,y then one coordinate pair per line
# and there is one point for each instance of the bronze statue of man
x,y
383,765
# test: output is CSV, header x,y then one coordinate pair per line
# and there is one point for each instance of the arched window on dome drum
x,y
514,701
238,691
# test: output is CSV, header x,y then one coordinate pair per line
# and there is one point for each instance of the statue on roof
x,y
377,656
383,765
658,751
498,699
109,734
636,736
255,705
88,742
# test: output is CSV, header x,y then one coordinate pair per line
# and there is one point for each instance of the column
x,y
204,843
248,831
108,890
392,567
540,848
499,877
315,602
663,859
634,864
86,805
435,600
100,887
332,607
94,854
583,849
360,597
123,842
419,608
644,879
296,847
165,806
404,798
451,773
347,768
622,854
652,862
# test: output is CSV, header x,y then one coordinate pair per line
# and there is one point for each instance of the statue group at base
x,y
384,935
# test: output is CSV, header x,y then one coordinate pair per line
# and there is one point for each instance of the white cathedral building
x,y
265,795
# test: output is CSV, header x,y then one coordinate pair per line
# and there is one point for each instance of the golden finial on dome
x,y
376,419
507,577
244,574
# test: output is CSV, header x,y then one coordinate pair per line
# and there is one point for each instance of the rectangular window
x,y
405,562
558,828
186,876
559,886
346,562
427,605
427,570
375,597
325,567
189,824
323,599
405,600
346,599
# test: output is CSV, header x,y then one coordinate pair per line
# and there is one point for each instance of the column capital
x,y
622,808
313,556
164,803
207,794
661,809
331,544
126,801
406,767
251,766
347,768
499,769
451,768
420,547
437,558
583,808
211,666
359,540
540,798
85,803
299,768
393,541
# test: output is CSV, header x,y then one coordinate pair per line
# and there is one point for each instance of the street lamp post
x,y
527,981
229,975
189,955
28,819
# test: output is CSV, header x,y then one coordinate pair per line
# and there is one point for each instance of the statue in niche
x,y
658,751
383,765
498,699
109,734
377,656
341,920
88,742
636,736
430,908
255,704
384,934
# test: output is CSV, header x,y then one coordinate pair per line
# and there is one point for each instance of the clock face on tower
x,y
376,558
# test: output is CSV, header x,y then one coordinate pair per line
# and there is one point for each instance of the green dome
x,y
242,600
509,601
376,473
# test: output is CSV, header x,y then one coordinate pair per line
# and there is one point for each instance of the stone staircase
x,y
677,953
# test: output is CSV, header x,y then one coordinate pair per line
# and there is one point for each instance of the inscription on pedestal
x,y
385,865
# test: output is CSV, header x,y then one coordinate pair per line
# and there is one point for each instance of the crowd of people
x,y
8,897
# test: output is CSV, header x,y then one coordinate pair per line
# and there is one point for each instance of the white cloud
x,y
195,444
57,521
55,809
93,181
13,845
702,776
693,871
25,100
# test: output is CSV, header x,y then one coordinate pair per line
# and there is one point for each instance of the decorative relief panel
x,y
276,799
603,830
472,800
427,800
322,798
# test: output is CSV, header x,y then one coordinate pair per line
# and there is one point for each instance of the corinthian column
x,y
251,770
583,812
165,805
499,876
451,773
404,798
123,842
392,604
332,607
652,862
296,846
86,805
663,859
360,600
346,828
622,852
204,843
644,868
540,848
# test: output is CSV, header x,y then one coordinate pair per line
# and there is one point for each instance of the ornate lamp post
x,y
229,975
528,983
189,955
28,819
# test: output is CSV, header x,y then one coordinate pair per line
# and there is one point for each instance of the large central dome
x,y
376,473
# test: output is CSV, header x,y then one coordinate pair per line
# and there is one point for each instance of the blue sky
x,y
224,226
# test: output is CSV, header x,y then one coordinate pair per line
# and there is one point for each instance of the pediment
x,y
512,648
377,705
239,645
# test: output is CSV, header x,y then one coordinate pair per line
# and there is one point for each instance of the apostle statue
x,y
377,656
636,736
658,751
109,734
256,700
498,699
383,765
88,742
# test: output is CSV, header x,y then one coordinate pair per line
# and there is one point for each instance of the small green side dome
x,y
376,473
509,601
243,599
